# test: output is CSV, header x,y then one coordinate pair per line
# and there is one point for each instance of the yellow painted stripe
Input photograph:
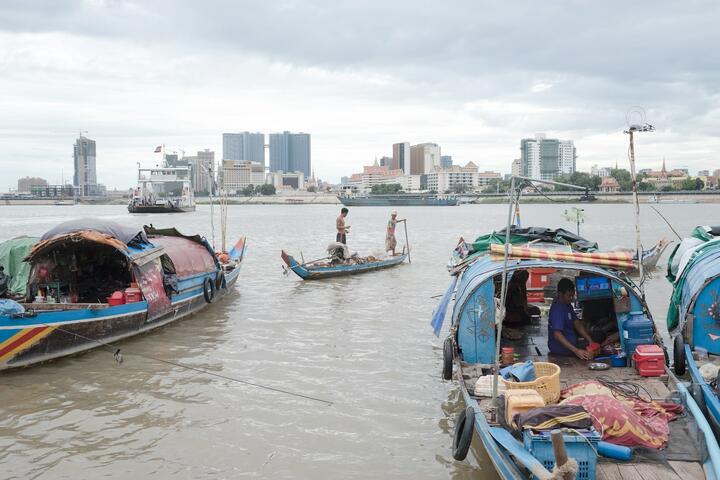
x,y
23,345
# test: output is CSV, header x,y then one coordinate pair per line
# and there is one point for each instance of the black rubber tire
x,y
219,280
208,290
464,428
447,369
679,355
699,397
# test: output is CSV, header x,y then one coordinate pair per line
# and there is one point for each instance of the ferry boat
x,y
399,200
163,190
92,282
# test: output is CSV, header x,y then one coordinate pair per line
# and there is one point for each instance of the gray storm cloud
x,y
473,76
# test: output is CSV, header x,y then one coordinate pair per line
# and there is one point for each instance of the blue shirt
x,y
562,318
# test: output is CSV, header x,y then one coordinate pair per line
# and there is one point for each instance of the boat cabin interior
x,y
615,317
78,272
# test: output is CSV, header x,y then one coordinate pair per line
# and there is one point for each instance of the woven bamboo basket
x,y
546,383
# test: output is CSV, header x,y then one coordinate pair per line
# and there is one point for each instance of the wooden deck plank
x,y
687,470
608,471
628,472
653,471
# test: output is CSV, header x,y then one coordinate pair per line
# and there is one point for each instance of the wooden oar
x,y
407,241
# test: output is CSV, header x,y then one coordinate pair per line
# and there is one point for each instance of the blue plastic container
x,y
618,360
577,446
637,330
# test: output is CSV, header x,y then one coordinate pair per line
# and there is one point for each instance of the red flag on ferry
x,y
158,149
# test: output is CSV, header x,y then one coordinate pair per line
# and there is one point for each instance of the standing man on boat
x,y
342,229
390,240
564,326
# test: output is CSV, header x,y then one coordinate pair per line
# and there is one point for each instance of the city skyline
x,y
489,87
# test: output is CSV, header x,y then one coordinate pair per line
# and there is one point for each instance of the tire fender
x,y
679,355
208,290
220,280
464,428
447,368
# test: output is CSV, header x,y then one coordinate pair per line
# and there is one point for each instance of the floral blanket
x,y
627,421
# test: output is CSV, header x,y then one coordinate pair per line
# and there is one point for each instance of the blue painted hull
x,y
711,398
53,334
474,344
338,270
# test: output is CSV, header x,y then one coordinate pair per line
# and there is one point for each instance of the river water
x,y
363,343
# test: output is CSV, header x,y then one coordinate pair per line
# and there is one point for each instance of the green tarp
x,y
12,253
520,235
483,242
678,279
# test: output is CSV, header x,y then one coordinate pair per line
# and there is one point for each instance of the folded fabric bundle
x,y
484,386
554,416
521,372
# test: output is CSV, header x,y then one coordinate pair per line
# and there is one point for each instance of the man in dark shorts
x,y
342,229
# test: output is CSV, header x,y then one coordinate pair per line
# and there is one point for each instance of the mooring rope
x,y
117,354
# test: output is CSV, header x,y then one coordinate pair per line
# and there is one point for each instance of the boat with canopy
x,y
694,315
543,415
92,281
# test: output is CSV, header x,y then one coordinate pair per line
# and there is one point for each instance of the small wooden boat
x,y
651,257
599,415
317,270
470,354
694,314
94,281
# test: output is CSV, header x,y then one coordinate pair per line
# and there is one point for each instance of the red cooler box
x,y
649,360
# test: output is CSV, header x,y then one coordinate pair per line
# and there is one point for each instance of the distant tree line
x,y
264,189
386,188
592,182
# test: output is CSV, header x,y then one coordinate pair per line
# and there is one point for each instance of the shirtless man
x,y
342,229
390,240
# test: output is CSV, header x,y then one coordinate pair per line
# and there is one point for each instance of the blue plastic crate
x,y
577,447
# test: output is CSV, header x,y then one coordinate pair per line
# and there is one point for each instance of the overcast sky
x,y
474,77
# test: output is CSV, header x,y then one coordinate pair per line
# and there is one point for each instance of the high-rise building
x,y
244,146
401,157
424,158
85,177
516,169
386,162
445,161
238,175
202,171
26,184
290,152
545,158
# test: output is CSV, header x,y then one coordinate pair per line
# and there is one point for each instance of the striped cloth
x,y
623,260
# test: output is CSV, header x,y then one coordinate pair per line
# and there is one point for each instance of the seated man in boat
x,y
564,326
517,310
342,229
390,240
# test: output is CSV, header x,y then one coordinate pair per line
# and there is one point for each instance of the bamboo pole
x,y
407,241
503,293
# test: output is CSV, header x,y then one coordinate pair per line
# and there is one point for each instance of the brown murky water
x,y
362,342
